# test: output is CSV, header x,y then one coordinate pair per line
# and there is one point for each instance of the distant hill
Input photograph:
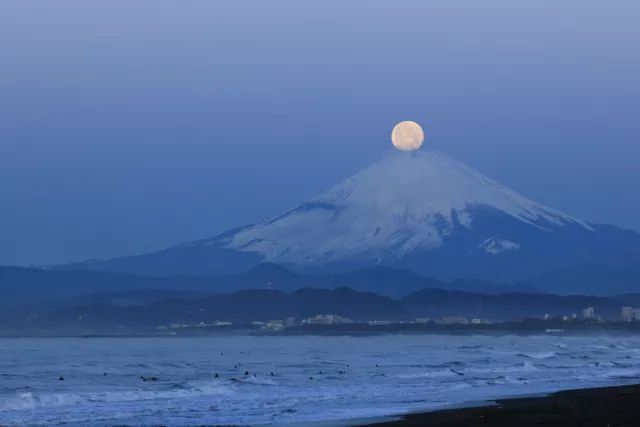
x,y
96,315
37,286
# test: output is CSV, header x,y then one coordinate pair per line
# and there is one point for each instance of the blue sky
x,y
129,126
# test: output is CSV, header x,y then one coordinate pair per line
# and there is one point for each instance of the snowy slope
x,y
404,203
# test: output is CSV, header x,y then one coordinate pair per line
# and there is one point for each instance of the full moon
x,y
407,136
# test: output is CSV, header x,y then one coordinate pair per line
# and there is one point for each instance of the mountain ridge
x,y
30,286
262,305
420,211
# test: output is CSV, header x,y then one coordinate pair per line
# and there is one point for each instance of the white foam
x,y
539,355
30,400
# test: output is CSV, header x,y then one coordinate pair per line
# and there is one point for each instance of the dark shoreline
x,y
603,406
528,327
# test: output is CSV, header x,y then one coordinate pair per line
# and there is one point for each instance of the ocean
x,y
290,379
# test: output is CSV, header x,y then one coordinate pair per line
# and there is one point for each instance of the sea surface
x,y
314,378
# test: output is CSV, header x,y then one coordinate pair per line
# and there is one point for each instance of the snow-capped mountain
x,y
406,202
422,211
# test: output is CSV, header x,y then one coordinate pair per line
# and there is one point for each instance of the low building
x,y
179,325
274,325
379,322
290,321
452,320
628,314
326,319
588,313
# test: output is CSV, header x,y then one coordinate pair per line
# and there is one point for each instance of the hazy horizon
x,y
122,133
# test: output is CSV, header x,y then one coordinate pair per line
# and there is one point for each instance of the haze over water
x,y
315,378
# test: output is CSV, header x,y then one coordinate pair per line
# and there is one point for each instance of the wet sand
x,y
606,406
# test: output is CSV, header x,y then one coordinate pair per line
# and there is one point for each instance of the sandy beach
x,y
604,406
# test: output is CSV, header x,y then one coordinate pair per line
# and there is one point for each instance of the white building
x,y
589,313
326,319
453,320
627,314
379,322
274,325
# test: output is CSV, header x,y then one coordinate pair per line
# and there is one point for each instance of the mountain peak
x,y
424,183
404,202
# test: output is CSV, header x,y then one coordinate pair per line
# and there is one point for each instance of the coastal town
x,y
629,317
